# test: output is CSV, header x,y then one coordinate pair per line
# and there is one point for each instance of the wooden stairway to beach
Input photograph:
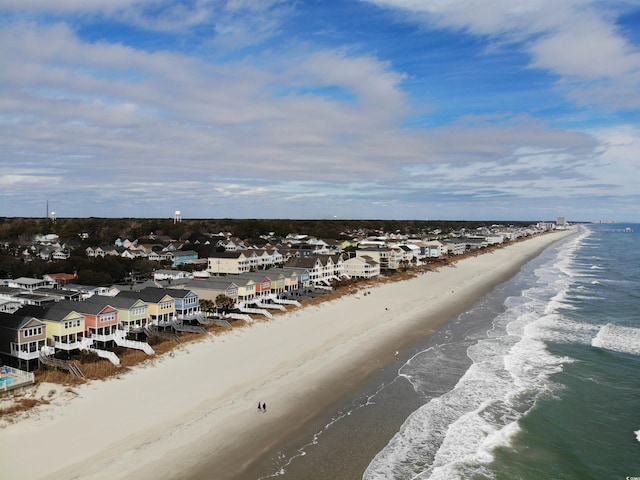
x,y
152,331
122,341
181,327
69,366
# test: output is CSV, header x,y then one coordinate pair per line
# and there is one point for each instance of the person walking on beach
x,y
264,408
259,408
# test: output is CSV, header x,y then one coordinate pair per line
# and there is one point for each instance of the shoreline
x,y
197,411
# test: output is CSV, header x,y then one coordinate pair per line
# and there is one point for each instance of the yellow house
x,y
133,313
161,306
246,289
65,328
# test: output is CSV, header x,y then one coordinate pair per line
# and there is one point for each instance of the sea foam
x,y
618,338
454,435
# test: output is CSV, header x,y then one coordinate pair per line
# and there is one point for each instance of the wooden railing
x,y
121,340
69,366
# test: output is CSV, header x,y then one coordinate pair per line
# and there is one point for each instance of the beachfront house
x,y
264,284
312,265
434,249
210,288
455,246
332,267
187,302
321,269
246,289
22,336
361,267
291,278
162,306
65,328
475,243
133,313
389,258
100,321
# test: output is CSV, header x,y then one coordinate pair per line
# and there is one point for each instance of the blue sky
x,y
357,109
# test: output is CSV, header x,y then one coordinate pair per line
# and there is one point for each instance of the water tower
x,y
52,215
177,218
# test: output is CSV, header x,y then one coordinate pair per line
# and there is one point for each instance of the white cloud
x,y
576,40
291,129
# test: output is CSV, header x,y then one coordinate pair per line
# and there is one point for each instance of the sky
x,y
320,109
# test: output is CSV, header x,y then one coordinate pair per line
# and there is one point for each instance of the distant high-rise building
x,y
561,221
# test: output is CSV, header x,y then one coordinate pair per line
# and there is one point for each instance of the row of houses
x,y
47,315
67,322
54,314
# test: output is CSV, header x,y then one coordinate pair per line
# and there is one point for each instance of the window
x,y
72,324
107,317
30,332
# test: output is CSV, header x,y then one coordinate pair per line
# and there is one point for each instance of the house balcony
x,y
133,327
24,355
98,337
68,346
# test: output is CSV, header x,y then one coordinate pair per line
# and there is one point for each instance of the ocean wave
x,y
618,339
453,435
560,329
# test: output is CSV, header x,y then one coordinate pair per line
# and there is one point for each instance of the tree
x,y
207,305
224,302
91,277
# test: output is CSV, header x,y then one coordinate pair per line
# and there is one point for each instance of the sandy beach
x,y
166,419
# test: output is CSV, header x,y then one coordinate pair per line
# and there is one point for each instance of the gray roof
x,y
16,320
119,301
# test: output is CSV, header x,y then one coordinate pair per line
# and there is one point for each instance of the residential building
x,y
361,267
162,306
232,262
22,336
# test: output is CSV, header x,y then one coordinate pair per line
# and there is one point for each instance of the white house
x,y
361,267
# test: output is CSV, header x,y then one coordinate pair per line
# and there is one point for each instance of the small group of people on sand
x,y
262,407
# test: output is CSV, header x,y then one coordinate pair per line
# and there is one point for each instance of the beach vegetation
x,y
10,412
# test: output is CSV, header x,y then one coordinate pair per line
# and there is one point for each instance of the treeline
x,y
94,271
101,231
16,235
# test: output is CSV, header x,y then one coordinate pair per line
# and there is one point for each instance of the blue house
x,y
187,301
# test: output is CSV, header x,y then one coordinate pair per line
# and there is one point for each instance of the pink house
x,y
101,321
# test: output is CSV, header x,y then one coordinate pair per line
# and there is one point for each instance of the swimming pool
x,y
6,381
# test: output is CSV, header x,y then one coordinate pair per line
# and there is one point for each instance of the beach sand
x,y
169,418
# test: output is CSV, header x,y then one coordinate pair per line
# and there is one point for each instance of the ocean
x,y
540,379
